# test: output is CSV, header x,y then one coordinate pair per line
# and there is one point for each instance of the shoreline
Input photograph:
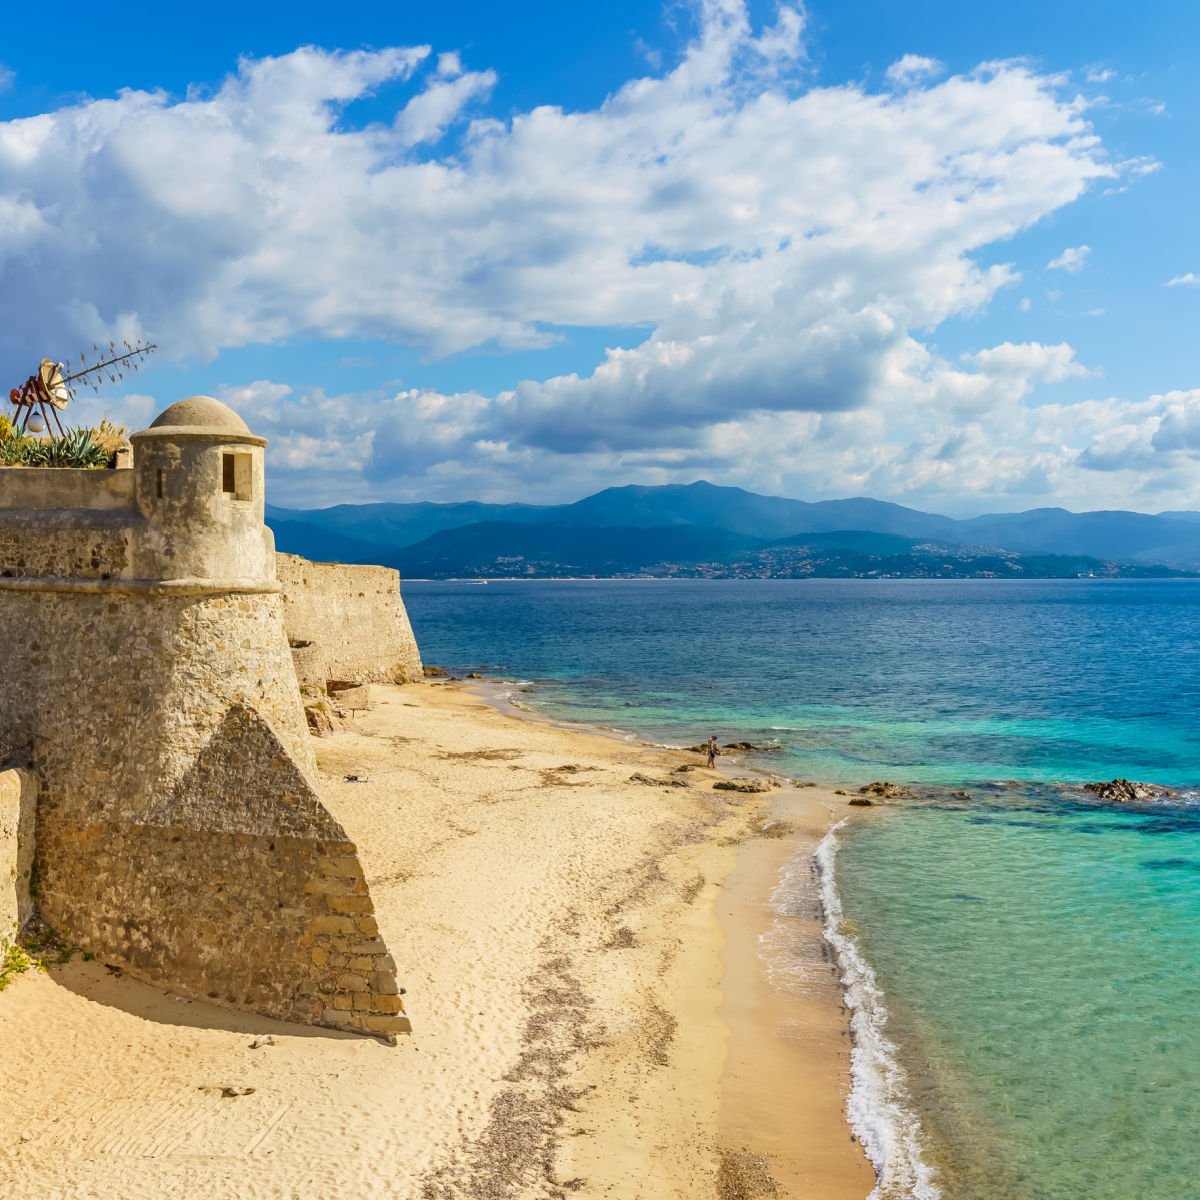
x,y
772,1124
579,949
784,1005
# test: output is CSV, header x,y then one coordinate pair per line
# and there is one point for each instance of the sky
x,y
940,254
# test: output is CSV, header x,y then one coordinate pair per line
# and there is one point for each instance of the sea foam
x,y
878,1108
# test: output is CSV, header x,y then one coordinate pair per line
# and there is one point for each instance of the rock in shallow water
x,y
1124,790
887,791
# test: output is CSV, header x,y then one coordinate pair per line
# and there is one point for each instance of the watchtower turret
x,y
199,486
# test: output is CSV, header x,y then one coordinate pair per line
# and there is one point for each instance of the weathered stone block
x,y
387,1004
390,1024
375,946
332,924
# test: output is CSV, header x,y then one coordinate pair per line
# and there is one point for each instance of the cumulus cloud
x,y
1191,279
913,67
785,247
1072,260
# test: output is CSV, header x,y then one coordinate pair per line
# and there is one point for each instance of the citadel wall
x,y
149,687
18,794
346,622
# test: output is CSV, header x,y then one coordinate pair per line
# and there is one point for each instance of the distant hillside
x,y
703,528
500,548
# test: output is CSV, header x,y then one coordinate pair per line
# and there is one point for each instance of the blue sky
x,y
924,252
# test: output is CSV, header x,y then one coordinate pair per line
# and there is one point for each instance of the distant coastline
x,y
704,531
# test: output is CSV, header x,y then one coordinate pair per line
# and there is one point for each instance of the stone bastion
x,y
150,701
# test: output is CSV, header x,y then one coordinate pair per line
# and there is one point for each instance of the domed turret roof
x,y
199,418
200,412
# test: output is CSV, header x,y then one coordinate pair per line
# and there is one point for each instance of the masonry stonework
x,y
180,828
18,794
346,623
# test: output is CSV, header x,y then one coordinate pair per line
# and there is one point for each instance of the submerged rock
x,y
1122,791
887,791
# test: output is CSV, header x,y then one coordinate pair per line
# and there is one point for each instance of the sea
x,y
1021,959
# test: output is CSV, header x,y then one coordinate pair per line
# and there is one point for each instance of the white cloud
x,y
1071,260
913,67
426,117
785,247
7,77
1098,74
1191,279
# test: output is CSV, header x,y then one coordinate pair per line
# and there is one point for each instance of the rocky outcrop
x,y
882,790
743,785
1123,791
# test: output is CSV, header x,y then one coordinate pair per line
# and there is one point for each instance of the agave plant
x,y
76,448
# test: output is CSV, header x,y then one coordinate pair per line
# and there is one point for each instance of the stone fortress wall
x,y
18,794
346,623
149,688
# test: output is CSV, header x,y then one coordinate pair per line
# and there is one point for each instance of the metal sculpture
x,y
40,398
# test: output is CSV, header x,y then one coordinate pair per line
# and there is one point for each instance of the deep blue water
x,y
1021,963
916,680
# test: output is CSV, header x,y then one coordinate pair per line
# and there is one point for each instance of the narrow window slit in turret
x,y
237,471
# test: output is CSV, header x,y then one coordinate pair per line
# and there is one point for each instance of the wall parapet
x,y
43,489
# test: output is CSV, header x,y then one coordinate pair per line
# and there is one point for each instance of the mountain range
x,y
704,529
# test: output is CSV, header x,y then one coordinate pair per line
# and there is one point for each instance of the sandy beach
x,y
590,1010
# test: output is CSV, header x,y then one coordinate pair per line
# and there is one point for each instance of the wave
x,y
879,1108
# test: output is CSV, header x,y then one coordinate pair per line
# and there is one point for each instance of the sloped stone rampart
x,y
18,795
347,622
180,829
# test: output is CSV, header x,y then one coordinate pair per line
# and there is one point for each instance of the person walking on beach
x,y
712,750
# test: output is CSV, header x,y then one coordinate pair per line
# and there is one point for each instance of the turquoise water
x,y
1038,960
1021,962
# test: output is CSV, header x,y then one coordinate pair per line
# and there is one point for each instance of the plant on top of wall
x,y
92,449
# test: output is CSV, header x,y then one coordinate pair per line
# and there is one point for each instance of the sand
x,y
582,1026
